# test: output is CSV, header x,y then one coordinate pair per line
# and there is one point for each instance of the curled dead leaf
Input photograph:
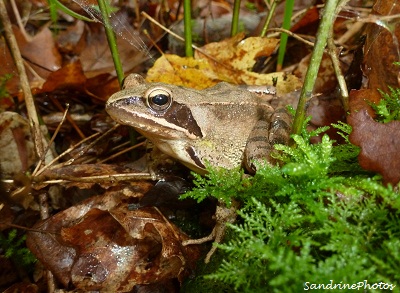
x,y
101,244
379,143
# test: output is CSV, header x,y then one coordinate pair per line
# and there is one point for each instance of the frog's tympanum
x,y
224,126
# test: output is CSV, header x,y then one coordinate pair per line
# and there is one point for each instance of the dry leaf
x,y
382,47
240,53
379,143
16,143
40,52
182,71
101,244
68,77
284,82
23,287
96,56
236,57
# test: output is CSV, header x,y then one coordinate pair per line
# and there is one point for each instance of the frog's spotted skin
x,y
211,125
224,125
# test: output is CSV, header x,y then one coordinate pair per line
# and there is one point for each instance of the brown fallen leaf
x,y
96,56
16,143
381,47
40,52
101,244
70,76
24,287
379,143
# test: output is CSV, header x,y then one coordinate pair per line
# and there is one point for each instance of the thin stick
x,y
30,105
122,152
95,179
42,159
344,93
296,36
269,18
19,21
66,152
68,117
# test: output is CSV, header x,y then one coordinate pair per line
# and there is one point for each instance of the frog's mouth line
x,y
166,126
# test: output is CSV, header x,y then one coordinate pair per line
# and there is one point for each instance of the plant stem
x,y
287,19
68,11
322,35
112,43
187,21
52,10
235,18
269,18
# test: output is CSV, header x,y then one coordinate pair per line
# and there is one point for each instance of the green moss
x,y
388,108
318,218
14,248
3,80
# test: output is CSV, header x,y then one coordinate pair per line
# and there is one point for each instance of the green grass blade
x,y
235,18
187,20
112,42
284,36
322,35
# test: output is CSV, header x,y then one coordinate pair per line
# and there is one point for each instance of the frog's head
x,y
156,110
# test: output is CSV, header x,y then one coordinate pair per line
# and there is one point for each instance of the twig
x,y
269,17
344,93
67,116
30,105
38,172
125,150
42,159
95,179
296,36
19,21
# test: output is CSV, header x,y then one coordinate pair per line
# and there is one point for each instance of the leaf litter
x,y
75,67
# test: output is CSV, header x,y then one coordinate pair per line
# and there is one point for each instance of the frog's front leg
x,y
223,215
267,132
274,128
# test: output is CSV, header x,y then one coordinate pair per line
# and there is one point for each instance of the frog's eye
x,y
158,99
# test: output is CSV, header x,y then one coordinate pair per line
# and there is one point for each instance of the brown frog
x,y
224,126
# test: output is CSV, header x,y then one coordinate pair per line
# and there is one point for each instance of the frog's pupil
x,y
160,99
